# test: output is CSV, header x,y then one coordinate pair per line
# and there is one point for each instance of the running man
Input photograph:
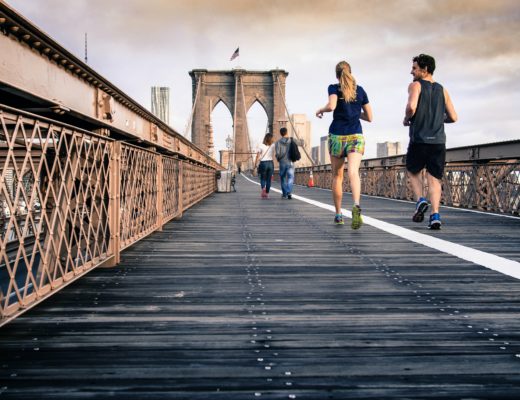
x,y
429,107
286,166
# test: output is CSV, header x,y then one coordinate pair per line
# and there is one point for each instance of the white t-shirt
x,y
268,154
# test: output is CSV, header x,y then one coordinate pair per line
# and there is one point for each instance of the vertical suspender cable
x,y
233,158
188,125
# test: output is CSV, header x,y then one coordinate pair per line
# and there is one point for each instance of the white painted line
x,y
488,260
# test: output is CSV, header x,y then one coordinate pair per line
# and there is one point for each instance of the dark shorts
x,y
429,156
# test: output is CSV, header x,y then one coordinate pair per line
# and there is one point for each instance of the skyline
x,y
137,44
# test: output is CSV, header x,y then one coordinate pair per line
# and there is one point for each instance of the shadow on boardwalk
x,y
246,298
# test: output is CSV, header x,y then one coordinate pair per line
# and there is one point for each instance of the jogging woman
x,y
349,102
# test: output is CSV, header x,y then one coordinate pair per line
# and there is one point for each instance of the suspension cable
x,y
233,156
188,125
290,121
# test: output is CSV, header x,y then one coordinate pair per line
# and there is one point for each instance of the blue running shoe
x,y
435,222
420,208
338,219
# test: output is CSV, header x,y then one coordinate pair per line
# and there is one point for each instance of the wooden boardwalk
x,y
251,299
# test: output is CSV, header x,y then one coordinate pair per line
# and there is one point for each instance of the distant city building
x,y
315,154
324,151
387,149
303,132
161,103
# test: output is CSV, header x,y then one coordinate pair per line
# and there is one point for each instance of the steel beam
x,y
35,66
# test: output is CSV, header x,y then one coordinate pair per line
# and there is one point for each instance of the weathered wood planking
x,y
337,313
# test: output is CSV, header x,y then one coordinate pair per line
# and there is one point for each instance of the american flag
x,y
235,54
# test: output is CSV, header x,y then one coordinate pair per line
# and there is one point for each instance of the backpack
x,y
294,152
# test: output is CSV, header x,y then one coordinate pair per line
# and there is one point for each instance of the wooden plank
x,y
336,313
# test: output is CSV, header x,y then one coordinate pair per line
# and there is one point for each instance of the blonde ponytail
x,y
346,81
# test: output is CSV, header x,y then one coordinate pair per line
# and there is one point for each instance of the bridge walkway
x,y
245,298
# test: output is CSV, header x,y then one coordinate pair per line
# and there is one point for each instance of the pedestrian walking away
x,y
349,103
428,108
286,166
264,161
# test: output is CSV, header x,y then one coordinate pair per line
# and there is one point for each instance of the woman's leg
x,y
338,164
353,162
261,175
269,174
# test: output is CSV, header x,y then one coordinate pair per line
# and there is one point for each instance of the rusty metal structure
x,y
86,171
39,76
72,200
484,177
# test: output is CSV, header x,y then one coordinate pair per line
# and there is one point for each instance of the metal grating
x,y
488,185
71,200
139,186
54,207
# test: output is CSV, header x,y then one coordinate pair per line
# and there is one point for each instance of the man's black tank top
x,y
427,124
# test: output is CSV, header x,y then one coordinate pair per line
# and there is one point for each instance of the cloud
x,y
137,44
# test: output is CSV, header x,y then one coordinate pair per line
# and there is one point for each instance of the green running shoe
x,y
357,221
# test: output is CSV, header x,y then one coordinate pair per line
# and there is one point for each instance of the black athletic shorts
x,y
429,156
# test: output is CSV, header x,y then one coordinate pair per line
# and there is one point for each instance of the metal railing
x,y
484,177
71,200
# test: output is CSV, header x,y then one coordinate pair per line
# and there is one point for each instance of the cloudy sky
x,y
140,43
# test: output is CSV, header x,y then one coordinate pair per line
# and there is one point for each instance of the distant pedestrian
x,y
349,102
429,107
264,161
286,166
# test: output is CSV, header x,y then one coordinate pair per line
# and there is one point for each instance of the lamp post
x,y
229,145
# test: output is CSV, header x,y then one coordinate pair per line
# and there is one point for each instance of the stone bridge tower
x,y
238,89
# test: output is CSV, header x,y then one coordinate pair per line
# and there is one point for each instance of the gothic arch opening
x,y
222,124
257,123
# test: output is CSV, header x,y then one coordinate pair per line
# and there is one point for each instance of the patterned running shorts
x,y
341,145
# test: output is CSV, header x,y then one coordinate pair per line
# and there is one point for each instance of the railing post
x,y
160,193
115,205
180,188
